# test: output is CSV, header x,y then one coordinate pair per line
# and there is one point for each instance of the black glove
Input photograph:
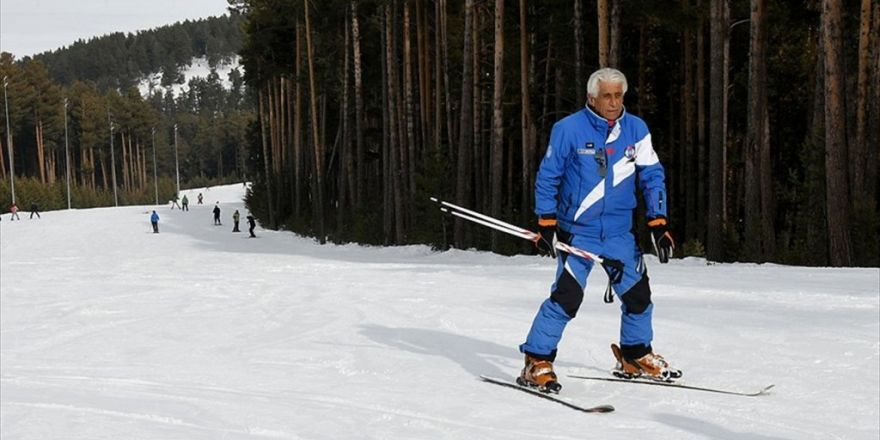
x,y
546,240
664,245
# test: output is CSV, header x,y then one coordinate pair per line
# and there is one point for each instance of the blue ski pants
x,y
567,293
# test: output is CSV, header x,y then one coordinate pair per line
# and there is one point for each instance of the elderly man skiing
x,y
585,194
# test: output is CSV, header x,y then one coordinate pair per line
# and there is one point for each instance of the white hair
x,y
606,74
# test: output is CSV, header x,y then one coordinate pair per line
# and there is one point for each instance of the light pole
x,y
9,141
155,180
112,160
176,163
66,153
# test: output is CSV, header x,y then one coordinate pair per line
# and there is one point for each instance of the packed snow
x,y
109,331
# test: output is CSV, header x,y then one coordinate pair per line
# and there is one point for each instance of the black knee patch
x,y
568,294
638,297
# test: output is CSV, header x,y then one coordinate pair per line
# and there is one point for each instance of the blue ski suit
x,y
588,179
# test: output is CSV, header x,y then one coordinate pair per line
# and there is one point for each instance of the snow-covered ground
x,y
108,331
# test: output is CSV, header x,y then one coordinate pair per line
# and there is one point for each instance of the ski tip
x,y
602,409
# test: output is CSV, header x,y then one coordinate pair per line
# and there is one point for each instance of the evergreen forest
x,y
349,114
83,102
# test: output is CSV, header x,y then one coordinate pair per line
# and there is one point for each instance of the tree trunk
x,y
702,152
318,201
3,150
579,79
765,159
754,150
360,177
464,177
265,142
642,88
873,123
498,117
125,162
545,96
425,116
298,149
602,25
345,176
614,34
717,133
409,107
858,149
813,219
387,185
103,159
528,131
394,153
41,151
835,135
444,42
687,145
479,160
438,92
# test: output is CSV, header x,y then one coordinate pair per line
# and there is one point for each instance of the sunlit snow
x,y
108,331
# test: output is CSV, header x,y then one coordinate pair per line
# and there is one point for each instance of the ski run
x,y
108,331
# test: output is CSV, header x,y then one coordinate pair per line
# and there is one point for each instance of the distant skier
x,y
174,202
253,224
35,210
235,218
200,198
184,203
154,219
14,210
217,215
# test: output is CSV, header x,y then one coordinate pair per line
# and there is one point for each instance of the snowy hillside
x,y
198,68
108,331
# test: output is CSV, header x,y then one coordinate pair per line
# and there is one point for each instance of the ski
x,y
559,400
760,392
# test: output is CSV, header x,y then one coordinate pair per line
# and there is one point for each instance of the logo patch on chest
x,y
630,153
588,149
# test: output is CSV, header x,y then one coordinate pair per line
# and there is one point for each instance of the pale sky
x,y
28,27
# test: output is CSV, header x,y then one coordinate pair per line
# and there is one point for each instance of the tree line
x,y
350,114
764,113
110,134
119,60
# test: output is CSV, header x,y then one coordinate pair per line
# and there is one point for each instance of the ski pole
x,y
508,228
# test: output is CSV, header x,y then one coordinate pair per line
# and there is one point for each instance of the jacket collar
x,y
601,125
599,122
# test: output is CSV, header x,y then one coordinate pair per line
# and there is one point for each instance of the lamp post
x,y
176,163
66,153
9,141
112,160
155,180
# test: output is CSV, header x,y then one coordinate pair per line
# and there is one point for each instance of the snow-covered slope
x,y
198,68
108,331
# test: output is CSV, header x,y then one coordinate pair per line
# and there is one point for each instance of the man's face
x,y
608,103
